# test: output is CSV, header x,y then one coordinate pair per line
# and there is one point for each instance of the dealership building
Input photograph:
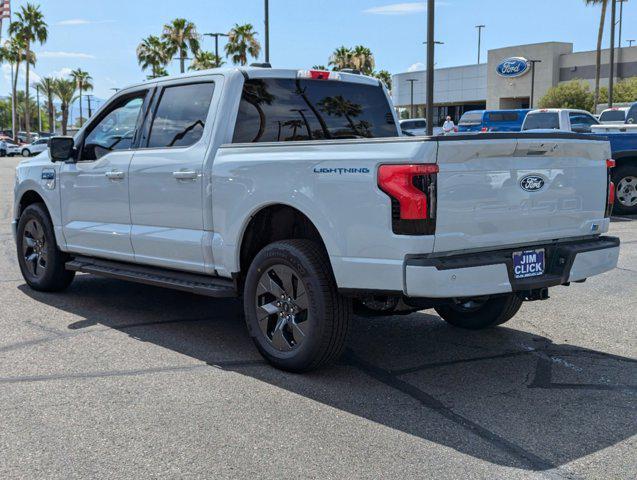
x,y
505,80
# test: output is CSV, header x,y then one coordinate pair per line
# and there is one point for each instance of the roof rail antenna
x,y
351,70
261,65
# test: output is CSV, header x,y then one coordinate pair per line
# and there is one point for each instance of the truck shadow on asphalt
x,y
504,396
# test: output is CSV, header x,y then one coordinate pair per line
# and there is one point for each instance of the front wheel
x,y
41,262
625,179
26,153
480,313
293,310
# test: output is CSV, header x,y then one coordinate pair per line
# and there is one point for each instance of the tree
x,y
47,87
341,58
598,59
362,59
65,91
29,27
152,53
180,37
83,81
319,67
205,60
573,94
339,106
384,76
625,91
14,53
241,43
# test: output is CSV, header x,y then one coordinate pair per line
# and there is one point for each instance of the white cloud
x,y
58,54
416,67
79,21
6,75
401,8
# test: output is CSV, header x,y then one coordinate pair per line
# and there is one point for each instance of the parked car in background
x,y
13,149
614,115
492,120
34,148
565,119
417,126
623,146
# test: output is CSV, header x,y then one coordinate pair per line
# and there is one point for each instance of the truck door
x,y
167,178
94,188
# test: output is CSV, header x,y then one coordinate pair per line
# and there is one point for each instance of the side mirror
x,y
61,148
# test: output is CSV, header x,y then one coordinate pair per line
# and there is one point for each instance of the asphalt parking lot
x,y
118,380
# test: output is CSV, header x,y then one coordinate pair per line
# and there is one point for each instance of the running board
x,y
161,277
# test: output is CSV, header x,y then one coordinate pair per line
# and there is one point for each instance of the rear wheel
x,y
625,179
41,262
293,310
26,153
479,313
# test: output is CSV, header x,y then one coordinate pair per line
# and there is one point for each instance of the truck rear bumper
x,y
488,273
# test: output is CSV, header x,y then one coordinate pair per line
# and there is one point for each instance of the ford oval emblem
x,y
531,183
512,67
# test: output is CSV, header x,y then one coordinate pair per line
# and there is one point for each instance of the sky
x,y
101,36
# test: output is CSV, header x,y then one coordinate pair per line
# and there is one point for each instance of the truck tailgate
x,y
516,191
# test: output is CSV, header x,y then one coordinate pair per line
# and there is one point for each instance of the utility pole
x,y
479,27
611,74
430,65
267,32
14,130
411,82
533,62
619,43
216,35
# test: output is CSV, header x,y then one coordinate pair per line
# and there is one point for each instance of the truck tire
x,y
625,179
41,262
480,314
293,310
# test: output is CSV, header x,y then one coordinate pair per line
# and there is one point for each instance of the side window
x,y
580,122
115,130
181,115
631,116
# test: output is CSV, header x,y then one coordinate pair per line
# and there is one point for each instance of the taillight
x,y
484,130
318,75
610,191
412,189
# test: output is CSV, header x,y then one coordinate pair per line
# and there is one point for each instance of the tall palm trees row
x,y
65,90
180,38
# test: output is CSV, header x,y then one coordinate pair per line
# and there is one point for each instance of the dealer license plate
x,y
528,263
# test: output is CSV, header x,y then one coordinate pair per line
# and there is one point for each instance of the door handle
x,y
185,175
114,175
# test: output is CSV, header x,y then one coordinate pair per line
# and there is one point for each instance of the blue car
x,y
492,120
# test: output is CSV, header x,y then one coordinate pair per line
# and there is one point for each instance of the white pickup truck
x,y
294,190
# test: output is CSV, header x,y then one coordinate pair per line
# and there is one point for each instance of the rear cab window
x,y
289,109
542,120
502,117
471,118
613,116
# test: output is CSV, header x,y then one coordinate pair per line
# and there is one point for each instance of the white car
x,y
417,127
564,119
12,148
34,148
231,183
613,116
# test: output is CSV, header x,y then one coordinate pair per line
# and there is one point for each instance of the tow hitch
x,y
535,294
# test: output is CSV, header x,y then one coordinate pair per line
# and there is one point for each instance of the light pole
x,y
479,27
267,31
533,62
619,43
411,82
430,65
630,43
611,62
216,35
37,96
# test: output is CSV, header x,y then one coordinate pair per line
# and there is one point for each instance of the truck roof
x,y
558,110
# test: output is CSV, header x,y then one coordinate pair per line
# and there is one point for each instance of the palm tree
x,y
152,53
319,67
384,76
205,60
181,36
341,58
14,53
65,91
83,81
47,87
362,59
339,106
600,35
29,27
241,43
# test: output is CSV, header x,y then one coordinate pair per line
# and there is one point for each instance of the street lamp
x,y
430,65
479,27
267,31
630,43
411,82
533,62
611,62
216,35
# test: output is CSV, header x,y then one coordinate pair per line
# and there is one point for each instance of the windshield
x,y
542,120
471,118
613,116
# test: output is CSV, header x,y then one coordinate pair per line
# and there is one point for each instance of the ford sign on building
x,y
513,67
